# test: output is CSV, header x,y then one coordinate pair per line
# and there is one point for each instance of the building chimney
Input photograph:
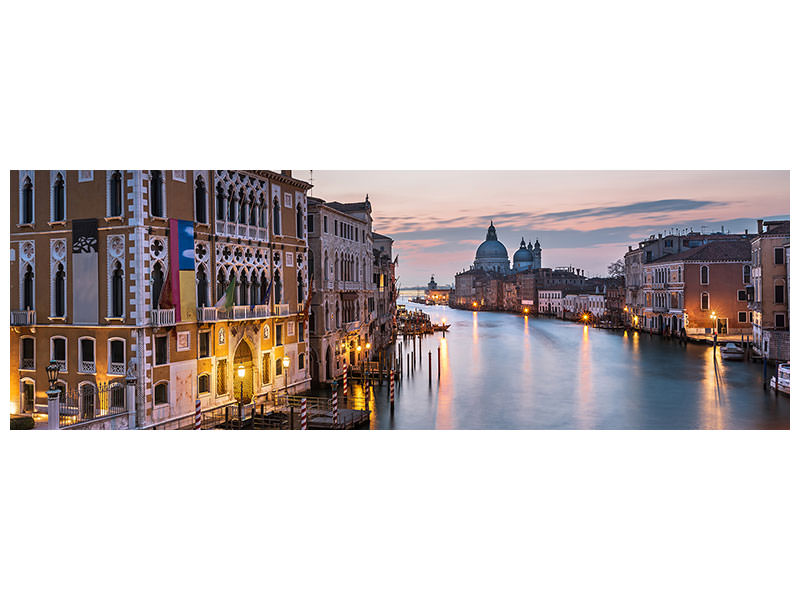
x,y
286,173
745,231
760,226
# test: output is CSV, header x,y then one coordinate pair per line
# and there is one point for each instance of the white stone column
x,y
53,408
130,401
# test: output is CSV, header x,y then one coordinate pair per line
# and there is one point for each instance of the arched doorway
x,y
243,386
328,361
674,323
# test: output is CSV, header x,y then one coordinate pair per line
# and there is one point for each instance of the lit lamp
x,y
52,374
286,372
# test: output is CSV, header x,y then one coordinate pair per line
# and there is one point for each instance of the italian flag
x,y
227,300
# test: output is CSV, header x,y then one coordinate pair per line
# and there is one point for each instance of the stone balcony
x,y
23,317
162,317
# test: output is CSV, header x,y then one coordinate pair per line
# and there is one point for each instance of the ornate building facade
x,y
119,271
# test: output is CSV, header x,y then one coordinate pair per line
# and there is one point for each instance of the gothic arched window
x,y
254,288
202,287
276,217
117,294
221,285
200,202
263,299
264,213
299,222
27,294
301,297
27,201
278,287
61,292
253,210
220,202
243,289
242,208
156,285
115,195
232,208
157,193
59,208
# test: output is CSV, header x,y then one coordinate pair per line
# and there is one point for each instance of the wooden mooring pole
x,y
438,363
430,372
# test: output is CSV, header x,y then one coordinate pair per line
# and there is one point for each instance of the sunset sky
x,y
582,218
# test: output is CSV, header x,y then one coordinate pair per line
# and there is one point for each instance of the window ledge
x,y
110,218
114,319
86,372
157,218
31,225
54,318
54,223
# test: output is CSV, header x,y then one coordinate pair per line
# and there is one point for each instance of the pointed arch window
x,y
59,199
60,292
200,200
202,287
156,284
27,201
28,289
254,288
263,297
299,222
704,301
117,293
704,275
157,193
243,289
253,210
263,213
221,284
115,194
220,202
301,297
276,216
232,208
278,287
242,208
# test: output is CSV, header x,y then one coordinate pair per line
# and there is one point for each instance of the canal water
x,y
506,371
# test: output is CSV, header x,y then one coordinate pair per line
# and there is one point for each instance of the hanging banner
x,y
85,282
181,248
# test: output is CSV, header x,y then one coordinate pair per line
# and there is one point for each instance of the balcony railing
x,y
282,310
28,364
206,314
163,317
23,317
262,235
62,365
230,229
116,369
86,366
252,232
242,313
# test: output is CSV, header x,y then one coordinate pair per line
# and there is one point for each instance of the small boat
x,y
782,384
441,326
731,351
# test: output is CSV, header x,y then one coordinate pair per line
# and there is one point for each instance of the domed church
x,y
493,256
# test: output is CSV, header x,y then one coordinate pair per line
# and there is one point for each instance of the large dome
x,y
491,248
523,255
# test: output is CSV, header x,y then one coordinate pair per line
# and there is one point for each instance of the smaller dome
x,y
523,255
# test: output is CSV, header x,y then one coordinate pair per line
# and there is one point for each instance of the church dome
x,y
523,255
491,248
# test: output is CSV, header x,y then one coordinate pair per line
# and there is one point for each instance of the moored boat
x,y
731,351
782,383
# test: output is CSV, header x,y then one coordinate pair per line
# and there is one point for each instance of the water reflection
x,y
501,371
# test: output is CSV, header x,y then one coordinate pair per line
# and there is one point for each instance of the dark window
x,y
276,217
220,203
27,396
161,350
278,285
335,227
87,350
299,222
117,294
742,295
115,195
28,360
263,215
156,285
746,274
117,352
703,301
27,201
742,317
310,222
202,287
205,344
667,243
59,208
243,289
242,208
778,256
61,291
704,275
161,396
278,367
253,210
200,202
779,294
203,384
27,290
156,193
279,335
780,320
325,223
301,332
301,361
59,349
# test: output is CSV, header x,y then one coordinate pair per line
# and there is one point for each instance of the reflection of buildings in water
x,y
444,416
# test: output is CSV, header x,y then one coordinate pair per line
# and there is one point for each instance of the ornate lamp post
x,y
286,373
53,396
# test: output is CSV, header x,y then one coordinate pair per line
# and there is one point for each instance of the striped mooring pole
x,y
303,414
344,382
197,416
391,387
335,406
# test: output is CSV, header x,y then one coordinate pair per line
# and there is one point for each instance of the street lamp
x,y
286,373
52,374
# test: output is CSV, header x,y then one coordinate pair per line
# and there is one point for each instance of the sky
x,y
586,219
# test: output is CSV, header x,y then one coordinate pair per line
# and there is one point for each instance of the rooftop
x,y
720,251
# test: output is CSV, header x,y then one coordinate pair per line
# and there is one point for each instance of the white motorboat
x,y
782,384
731,351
